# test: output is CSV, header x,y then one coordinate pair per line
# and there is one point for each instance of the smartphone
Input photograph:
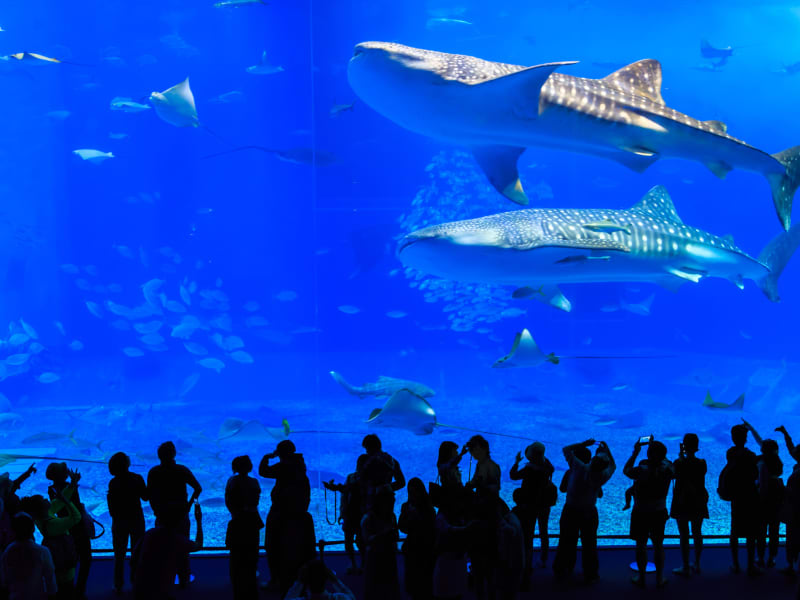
x,y
645,439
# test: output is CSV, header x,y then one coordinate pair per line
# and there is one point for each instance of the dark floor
x,y
715,583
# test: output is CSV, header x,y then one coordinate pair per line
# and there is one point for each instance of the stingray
x,y
176,105
406,410
737,404
526,353
251,431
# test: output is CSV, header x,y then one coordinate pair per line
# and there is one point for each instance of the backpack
x,y
62,549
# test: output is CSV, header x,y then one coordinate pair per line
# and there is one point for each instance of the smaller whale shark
x,y
384,386
532,248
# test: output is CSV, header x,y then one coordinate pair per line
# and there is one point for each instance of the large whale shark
x,y
498,110
537,248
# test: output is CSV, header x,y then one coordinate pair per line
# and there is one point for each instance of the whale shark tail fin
x,y
343,382
784,186
775,256
738,404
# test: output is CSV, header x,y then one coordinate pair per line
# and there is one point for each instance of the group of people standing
x,y
448,523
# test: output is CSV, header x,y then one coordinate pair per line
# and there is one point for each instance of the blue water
x,y
268,250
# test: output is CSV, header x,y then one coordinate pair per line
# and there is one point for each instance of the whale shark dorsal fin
x,y
657,203
708,401
642,78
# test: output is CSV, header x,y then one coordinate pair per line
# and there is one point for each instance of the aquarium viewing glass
x,y
195,273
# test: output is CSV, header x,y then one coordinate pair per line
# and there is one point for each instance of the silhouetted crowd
x,y
457,534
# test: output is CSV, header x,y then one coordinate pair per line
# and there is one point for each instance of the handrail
x,y
322,544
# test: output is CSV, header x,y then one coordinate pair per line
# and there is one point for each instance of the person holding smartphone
x,y
690,501
649,516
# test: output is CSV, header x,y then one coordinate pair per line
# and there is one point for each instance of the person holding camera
x,y
311,583
651,480
287,539
579,520
690,501
377,469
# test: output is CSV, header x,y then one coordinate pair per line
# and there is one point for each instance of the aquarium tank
x,y
228,224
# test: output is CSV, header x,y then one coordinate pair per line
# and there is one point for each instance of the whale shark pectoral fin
x,y
500,165
375,412
738,281
719,168
642,78
635,162
687,274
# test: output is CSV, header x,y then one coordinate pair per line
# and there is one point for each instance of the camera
x,y
646,439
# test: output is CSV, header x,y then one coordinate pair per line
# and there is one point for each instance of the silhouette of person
x,y
126,491
790,513
26,568
771,493
539,494
451,543
311,583
55,532
377,469
242,495
417,517
690,502
379,530
651,478
160,554
287,540
81,533
524,515
166,488
579,520
9,504
485,484
739,477
350,515
510,552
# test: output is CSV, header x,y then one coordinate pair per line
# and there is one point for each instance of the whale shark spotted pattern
x,y
535,248
497,110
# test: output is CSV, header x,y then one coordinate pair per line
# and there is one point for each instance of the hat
x,y
536,448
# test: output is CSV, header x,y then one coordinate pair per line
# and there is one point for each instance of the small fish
x,y
150,291
60,326
123,250
618,388
396,314
237,3
745,335
349,309
185,296
195,348
263,67
16,360
117,136
437,23
285,296
204,211
243,357
513,312
251,306
152,339
18,339
128,105
133,352
338,109
35,348
70,268
228,97
256,321
48,377
188,384
58,115
212,363
174,306
94,308
148,327
93,156
76,345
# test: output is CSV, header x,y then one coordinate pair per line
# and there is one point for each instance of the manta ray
x,y
176,105
540,248
498,110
